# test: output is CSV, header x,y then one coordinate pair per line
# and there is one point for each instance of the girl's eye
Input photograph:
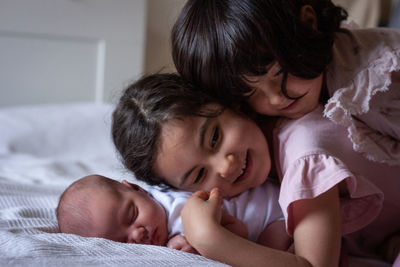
x,y
199,176
250,93
279,72
215,137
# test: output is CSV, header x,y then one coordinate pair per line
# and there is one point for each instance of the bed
x,y
43,149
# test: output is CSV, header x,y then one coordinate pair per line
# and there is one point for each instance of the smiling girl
x,y
169,134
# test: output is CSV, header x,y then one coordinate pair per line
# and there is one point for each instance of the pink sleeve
x,y
314,174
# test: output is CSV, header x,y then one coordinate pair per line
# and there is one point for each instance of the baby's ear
x,y
133,186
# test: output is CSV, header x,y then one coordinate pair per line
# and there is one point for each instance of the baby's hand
x,y
179,242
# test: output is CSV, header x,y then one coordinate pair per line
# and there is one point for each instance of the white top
x,y
256,208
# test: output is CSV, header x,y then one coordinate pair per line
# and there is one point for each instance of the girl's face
x,y
267,97
228,151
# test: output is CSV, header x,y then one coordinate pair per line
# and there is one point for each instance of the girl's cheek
x,y
258,105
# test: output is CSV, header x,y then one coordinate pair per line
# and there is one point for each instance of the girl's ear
x,y
308,16
133,186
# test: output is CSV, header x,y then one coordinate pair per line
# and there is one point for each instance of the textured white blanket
x,y
42,150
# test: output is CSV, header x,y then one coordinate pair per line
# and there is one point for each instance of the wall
x,y
57,51
369,13
160,19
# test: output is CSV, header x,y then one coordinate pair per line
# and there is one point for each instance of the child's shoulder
x,y
366,44
309,135
373,60
309,125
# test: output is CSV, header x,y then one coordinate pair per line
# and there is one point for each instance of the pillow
x,y
77,130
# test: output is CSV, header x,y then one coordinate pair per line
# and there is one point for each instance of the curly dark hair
x,y
216,42
143,109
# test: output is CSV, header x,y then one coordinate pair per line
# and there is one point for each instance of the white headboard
x,y
55,51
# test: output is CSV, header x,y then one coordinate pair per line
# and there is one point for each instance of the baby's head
x,y
96,206
168,132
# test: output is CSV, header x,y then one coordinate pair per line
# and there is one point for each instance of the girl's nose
x,y
276,98
226,166
139,235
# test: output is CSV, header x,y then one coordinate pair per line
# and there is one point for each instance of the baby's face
x,y
128,214
228,151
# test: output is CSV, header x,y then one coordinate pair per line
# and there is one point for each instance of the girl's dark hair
x,y
141,112
216,42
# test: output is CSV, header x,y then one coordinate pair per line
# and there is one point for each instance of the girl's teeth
x,y
243,168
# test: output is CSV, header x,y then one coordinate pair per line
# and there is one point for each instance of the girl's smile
x,y
228,151
246,170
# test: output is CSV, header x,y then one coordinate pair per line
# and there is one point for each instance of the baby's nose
x,y
139,235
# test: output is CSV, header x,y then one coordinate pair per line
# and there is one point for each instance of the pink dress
x,y
313,155
365,91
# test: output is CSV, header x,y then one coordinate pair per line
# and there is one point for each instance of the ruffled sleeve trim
x,y
314,175
354,99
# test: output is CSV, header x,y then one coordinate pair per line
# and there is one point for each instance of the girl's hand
x,y
201,217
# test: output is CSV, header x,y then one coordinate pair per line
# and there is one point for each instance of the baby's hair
x,y
73,213
143,109
216,43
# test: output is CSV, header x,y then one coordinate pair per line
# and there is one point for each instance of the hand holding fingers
x,y
201,215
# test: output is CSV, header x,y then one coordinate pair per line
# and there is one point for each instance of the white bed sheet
x,y
43,149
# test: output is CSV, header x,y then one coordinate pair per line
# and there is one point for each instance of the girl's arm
x,y
234,225
275,236
317,228
201,218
